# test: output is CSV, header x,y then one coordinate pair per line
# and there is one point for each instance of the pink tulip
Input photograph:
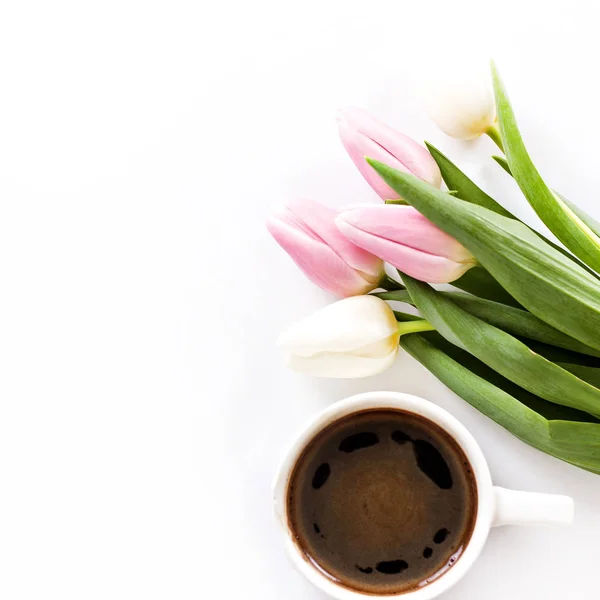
x,y
403,237
364,135
307,232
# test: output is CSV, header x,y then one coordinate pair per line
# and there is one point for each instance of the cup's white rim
x,y
409,403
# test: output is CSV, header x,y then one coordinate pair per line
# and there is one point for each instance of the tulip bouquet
x,y
518,334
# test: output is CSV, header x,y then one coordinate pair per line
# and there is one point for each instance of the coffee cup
x,y
494,505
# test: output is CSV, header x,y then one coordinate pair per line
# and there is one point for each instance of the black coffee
x,y
382,501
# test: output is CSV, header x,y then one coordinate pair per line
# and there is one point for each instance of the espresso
x,y
382,501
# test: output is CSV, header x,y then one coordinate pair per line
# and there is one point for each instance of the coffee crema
x,y
382,501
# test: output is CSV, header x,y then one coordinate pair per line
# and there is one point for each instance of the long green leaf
x,y
519,322
503,163
465,188
569,440
469,191
583,366
559,418
589,221
589,374
501,351
512,320
560,355
548,410
543,280
402,317
557,215
479,282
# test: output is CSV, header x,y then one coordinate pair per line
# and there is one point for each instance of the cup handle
x,y
528,508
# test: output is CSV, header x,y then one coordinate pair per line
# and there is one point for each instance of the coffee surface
x,y
382,501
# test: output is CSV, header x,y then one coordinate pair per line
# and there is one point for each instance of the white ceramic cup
x,y
496,505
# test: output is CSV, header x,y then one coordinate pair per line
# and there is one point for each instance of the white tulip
x,y
354,337
461,102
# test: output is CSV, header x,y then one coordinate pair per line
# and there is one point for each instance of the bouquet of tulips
x,y
519,336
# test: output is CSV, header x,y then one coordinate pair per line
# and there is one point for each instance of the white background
x,y
143,405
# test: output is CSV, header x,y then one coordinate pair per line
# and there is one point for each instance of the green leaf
x,y
403,317
554,212
548,410
591,223
553,429
589,374
561,355
479,282
576,434
512,320
518,322
503,163
395,296
539,277
387,283
501,351
471,192
582,366
465,188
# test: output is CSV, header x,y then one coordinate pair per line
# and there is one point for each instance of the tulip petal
x,y
414,157
344,326
461,100
317,260
342,366
287,216
416,263
320,220
407,226
358,146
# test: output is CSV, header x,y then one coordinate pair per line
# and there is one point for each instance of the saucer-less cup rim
x,y
494,505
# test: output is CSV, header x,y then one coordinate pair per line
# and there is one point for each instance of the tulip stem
x,y
415,326
494,134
